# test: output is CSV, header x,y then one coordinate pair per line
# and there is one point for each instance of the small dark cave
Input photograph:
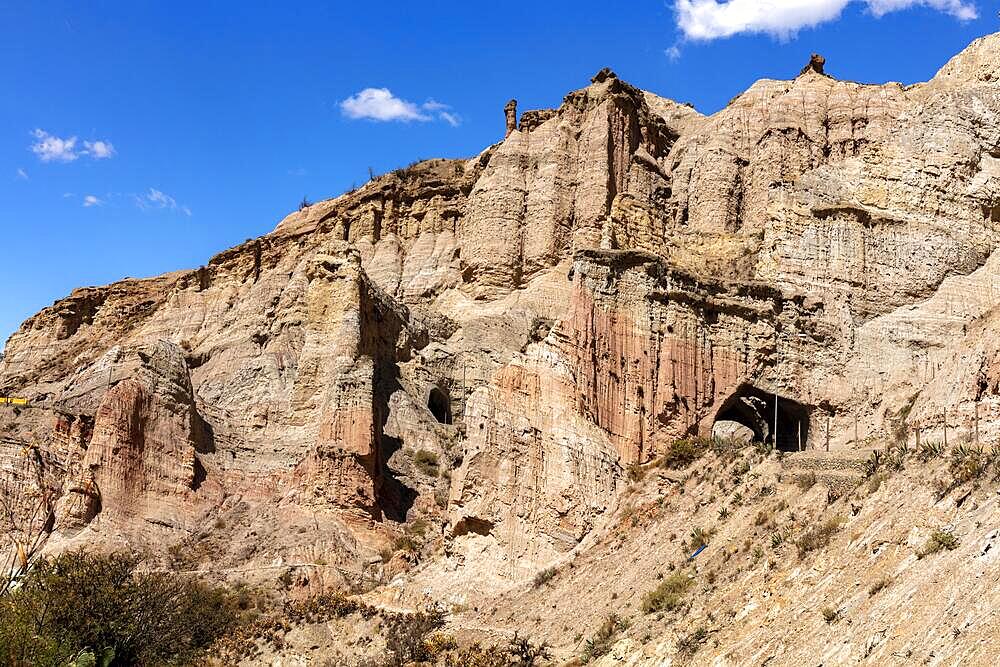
x,y
439,404
755,409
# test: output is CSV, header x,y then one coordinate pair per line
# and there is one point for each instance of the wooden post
x,y
977,424
946,427
828,433
776,420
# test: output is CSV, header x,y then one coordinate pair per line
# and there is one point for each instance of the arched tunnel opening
x,y
440,405
755,409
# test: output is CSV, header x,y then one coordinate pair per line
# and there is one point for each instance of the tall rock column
x,y
510,111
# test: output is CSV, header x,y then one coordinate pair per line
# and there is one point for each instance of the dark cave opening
x,y
755,409
439,405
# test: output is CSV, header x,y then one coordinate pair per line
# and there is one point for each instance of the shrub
x,y
688,644
520,651
405,636
879,585
636,472
544,576
700,537
939,540
968,463
830,614
874,463
819,536
683,453
426,462
806,482
101,605
669,595
304,204
602,641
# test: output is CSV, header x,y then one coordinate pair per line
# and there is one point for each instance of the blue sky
x,y
199,125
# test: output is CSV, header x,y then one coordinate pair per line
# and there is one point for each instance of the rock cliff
x,y
490,346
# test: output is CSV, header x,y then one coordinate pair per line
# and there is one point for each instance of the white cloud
x,y
711,19
964,11
99,150
452,119
50,148
674,52
157,199
381,105
22,174
91,200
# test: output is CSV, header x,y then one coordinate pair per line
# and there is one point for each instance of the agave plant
x,y
930,450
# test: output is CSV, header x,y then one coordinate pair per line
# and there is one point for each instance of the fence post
x,y
776,421
977,423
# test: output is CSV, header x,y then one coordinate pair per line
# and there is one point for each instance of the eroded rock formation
x,y
617,273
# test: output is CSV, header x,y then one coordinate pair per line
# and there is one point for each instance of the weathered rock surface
x,y
490,345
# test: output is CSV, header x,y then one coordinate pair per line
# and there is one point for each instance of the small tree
x,y
78,604
304,204
27,513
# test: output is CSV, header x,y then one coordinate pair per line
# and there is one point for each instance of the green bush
x,y
939,540
427,462
669,595
683,453
85,606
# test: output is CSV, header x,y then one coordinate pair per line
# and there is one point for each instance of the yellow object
x,y
6,400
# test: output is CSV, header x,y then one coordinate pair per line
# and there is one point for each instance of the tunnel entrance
x,y
754,408
440,405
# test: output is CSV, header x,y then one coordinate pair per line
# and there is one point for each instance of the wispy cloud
x,y
157,199
710,19
50,148
22,174
91,200
379,104
99,150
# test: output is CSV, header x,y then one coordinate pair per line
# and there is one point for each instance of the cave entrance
x,y
439,404
755,409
